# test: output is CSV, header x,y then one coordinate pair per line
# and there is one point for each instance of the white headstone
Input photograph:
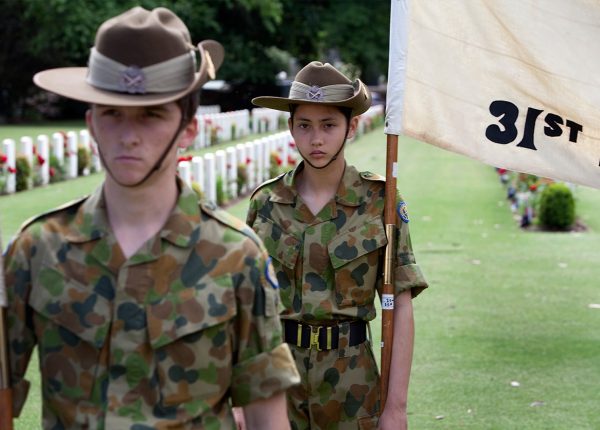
x,y
9,148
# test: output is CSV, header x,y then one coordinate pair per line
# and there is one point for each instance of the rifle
x,y
6,404
387,292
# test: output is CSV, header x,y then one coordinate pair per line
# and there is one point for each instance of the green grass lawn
x,y
504,305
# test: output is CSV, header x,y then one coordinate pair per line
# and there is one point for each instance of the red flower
x,y
292,144
12,170
52,172
3,158
34,150
501,171
248,160
40,160
533,187
184,158
291,160
278,160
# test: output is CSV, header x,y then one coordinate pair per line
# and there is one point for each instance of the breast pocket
x,y
191,334
284,250
354,255
71,323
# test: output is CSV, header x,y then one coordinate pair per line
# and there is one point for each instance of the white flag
x,y
512,83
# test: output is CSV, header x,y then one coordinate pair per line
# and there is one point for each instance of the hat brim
x,y
71,82
359,103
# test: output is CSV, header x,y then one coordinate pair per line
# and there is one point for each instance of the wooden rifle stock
x,y
6,404
387,293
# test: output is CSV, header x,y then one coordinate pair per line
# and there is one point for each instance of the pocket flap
x,y
356,242
71,305
208,303
280,245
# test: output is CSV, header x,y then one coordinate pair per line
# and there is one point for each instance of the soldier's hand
x,y
238,416
393,419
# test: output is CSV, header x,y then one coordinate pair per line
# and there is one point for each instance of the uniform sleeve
x,y
252,211
407,274
265,365
21,337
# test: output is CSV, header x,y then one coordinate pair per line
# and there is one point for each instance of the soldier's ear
x,y
89,123
188,134
352,127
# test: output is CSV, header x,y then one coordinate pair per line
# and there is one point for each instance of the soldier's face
x,y
132,139
319,132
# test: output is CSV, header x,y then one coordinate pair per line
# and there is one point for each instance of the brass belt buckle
x,y
314,337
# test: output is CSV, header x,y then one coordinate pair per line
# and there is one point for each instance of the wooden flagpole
x,y
387,293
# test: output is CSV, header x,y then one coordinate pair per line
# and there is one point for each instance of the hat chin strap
x,y
154,168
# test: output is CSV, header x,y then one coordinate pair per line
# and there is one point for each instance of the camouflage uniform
x,y
328,267
163,339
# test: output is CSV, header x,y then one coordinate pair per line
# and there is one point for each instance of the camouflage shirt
x,y
163,339
329,265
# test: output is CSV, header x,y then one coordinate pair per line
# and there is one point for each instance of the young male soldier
x,y
148,309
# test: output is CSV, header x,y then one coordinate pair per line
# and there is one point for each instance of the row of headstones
x,y
63,146
232,125
255,156
368,116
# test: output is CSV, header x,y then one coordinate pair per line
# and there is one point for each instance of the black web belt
x,y
323,337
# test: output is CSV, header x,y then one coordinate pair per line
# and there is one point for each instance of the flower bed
x,y
525,192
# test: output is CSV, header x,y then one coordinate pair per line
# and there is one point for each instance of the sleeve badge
x,y
402,211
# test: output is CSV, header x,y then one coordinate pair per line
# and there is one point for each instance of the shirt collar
x,y
91,221
349,191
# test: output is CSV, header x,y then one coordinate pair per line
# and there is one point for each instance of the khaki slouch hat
x,y
321,84
139,58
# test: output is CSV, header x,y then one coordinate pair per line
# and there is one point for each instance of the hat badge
x,y
315,93
133,80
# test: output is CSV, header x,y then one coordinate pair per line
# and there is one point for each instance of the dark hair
x,y
188,105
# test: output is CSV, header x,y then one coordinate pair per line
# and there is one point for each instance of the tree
x,y
258,36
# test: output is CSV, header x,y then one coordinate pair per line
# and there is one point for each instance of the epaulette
x,y
267,182
229,220
68,205
369,176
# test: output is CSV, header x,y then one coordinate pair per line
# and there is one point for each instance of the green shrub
x,y
84,160
23,173
242,177
557,207
57,170
221,196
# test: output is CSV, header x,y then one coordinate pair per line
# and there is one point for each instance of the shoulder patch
x,y
402,211
270,273
69,205
267,182
369,176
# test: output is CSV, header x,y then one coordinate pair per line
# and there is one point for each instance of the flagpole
x,y
387,293
6,404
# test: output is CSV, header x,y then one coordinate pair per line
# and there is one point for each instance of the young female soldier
x,y
149,309
322,224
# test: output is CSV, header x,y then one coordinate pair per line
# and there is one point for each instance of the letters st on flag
x,y
515,84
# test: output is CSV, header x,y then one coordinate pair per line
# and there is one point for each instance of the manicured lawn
x,y
503,306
